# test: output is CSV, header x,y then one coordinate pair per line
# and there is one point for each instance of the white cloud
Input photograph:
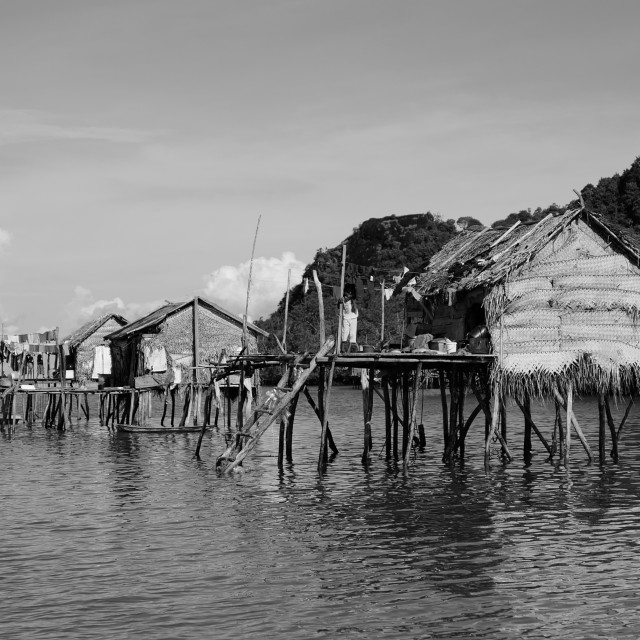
x,y
84,307
20,126
227,286
5,239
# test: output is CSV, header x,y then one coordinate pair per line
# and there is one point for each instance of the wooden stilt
x,y
503,421
612,429
416,385
526,409
573,423
406,445
387,417
453,417
366,381
395,416
602,429
173,405
164,406
288,440
443,399
567,433
281,436
560,429
316,409
624,418
322,458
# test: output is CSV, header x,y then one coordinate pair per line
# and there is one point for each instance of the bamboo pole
x,y
245,343
443,400
340,305
286,312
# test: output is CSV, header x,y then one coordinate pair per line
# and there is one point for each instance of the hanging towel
x,y
157,360
101,361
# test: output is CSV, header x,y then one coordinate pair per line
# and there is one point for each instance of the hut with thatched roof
x,y
84,343
560,298
166,342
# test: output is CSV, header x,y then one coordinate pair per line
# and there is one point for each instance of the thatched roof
x,y
89,328
485,256
151,322
561,299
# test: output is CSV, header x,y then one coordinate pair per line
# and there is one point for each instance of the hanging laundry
x,y
305,286
157,360
388,293
101,361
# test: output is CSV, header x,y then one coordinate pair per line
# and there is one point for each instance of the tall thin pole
x,y
286,311
339,337
246,308
382,312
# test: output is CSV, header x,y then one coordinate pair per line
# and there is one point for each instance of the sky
x,y
142,140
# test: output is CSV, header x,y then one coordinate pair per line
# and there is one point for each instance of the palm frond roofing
x,y
89,328
153,319
478,257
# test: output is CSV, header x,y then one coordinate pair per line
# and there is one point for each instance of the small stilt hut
x,y
560,298
85,343
177,337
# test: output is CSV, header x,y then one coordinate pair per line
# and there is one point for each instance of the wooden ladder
x,y
273,407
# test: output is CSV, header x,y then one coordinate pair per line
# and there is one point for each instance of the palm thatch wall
x,y
561,299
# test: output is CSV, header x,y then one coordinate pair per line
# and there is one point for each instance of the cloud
x,y
20,126
227,285
5,239
84,307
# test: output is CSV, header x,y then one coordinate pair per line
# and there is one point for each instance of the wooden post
x,y
322,458
526,403
321,328
453,417
382,299
339,337
495,417
612,429
567,434
62,367
405,414
286,311
602,426
412,425
503,421
387,417
394,410
443,399
288,441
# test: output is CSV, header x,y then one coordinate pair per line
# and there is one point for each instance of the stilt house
x,y
165,342
560,297
81,345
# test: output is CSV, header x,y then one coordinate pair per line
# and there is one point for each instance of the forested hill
x,y
394,242
617,199
388,244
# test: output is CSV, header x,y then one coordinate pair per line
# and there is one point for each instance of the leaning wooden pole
x,y
286,312
245,344
321,328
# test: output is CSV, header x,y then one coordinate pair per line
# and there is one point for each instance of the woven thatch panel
x,y
215,335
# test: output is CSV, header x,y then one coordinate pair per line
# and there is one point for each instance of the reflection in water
x,y
116,535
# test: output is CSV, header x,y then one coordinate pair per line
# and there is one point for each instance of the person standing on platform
x,y
349,318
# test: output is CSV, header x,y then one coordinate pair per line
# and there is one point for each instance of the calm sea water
x,y
127,536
